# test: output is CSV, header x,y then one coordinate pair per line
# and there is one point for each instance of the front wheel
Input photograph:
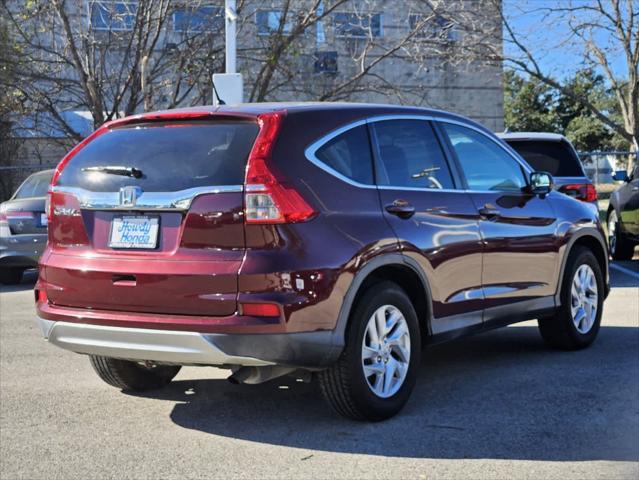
x,y
376,373
576,323
620,248
133,376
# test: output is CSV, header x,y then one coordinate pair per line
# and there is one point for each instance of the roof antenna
x,y
217,96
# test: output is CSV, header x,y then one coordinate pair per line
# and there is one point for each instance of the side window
x,y
485,164
411,155
349,154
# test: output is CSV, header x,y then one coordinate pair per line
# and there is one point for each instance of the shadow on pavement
x,y
500,395
624,274
28,282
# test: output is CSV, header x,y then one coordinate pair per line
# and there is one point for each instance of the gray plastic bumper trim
x,y
187,348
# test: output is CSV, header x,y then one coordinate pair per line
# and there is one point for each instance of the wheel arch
x,y
591,239
399,269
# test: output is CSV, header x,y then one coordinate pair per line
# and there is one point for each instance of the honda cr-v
x,y
335,239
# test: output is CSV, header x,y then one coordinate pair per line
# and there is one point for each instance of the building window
x,y
438,27
268,22
325,62
201,19
358,25
112,16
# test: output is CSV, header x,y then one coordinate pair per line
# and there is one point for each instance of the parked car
x,y
623,216
23,227
553,153
336,239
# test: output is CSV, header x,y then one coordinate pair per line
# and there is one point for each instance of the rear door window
x,y
171,156
556,158
411,155
349,154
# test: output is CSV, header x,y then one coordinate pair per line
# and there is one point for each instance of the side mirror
x,y
620,176
541,183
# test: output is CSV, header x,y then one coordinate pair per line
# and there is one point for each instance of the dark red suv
x,y
335,239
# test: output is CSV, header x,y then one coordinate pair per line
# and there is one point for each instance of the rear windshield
x,y
171,156
35,186
556,158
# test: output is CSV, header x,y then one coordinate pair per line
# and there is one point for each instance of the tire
x,y
133,376
346,387
620,247
11,276
561,331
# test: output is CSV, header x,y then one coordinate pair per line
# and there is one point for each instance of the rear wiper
x,y
116,170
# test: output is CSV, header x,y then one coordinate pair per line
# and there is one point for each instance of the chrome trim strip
x,y
156,201
168,346
311,150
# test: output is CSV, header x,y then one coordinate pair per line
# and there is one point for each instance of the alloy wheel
x,y
386,351
583,297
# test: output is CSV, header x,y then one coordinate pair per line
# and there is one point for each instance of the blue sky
x,y
548,37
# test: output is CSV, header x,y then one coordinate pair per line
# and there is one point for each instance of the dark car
x,y
23,227
553,153
623,216
332,239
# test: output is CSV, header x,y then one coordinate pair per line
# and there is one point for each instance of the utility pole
x,y
230,21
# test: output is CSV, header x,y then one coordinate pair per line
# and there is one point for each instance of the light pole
x,y
228,87
230,20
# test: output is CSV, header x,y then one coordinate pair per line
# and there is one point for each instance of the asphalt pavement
x,y
497,405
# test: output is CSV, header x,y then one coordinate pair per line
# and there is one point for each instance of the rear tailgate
x,y
167,240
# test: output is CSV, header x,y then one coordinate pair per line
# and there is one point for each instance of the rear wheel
x,y
10,276
620,248
376,373
128,375
576,323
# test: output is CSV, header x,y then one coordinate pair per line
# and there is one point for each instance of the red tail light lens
x,y
66,227
260,309
267,199
581,191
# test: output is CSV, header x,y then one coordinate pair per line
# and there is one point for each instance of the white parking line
x,y
625,270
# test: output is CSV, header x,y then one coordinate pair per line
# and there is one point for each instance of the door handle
x,y
488,211
401,208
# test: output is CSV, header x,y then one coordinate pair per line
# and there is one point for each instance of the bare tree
x,y
151,54
113,61
602,30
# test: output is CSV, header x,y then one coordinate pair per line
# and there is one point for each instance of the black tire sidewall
x,y
582,257
372,406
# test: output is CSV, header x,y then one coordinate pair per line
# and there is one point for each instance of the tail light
x,y
267,199
581,191
66,227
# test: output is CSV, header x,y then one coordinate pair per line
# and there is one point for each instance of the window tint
x,y
350,155
411,155
35,186
556,158
486,165
172,156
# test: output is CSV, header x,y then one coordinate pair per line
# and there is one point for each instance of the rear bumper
x,y
308,349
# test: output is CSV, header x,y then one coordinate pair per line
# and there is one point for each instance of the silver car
x,y
23,227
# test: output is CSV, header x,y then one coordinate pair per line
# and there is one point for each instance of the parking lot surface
x,y
497,405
